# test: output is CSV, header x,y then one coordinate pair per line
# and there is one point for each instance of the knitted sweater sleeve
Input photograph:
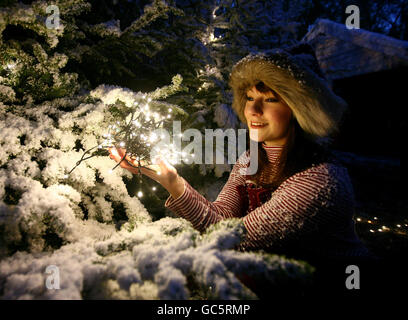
x,y
303,202
200,212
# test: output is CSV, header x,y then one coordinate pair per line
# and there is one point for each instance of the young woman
x,y
300,200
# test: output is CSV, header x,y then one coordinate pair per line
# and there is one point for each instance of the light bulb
x,y
140,194
66,176
122,144
153,137
154,188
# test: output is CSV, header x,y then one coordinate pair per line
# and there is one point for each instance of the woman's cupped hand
x,y
161,171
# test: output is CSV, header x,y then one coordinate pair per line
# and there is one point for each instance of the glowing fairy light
x,y
154,188
140,194
153,137
11,66
122,144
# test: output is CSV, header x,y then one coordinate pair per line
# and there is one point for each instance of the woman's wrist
x,y
176,188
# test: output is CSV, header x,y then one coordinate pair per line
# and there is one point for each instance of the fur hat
x,y
295,75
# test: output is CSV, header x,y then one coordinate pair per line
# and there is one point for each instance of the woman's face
x,y
268,117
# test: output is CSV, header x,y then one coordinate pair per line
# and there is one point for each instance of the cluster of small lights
x,y
210,38
136,134
377,226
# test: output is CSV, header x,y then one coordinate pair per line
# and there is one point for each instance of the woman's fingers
x,y
121,152
161,170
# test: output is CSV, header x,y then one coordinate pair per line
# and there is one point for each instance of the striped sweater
x,y
309,214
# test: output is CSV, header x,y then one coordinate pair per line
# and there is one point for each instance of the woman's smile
x,y
257,124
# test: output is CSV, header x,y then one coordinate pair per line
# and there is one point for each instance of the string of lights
x,y
135,131
376,225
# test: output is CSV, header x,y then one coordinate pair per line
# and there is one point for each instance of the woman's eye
x,y
249,98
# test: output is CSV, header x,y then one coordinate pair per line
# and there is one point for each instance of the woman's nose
x,y
256,107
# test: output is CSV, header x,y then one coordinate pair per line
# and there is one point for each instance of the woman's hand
x,y
162,172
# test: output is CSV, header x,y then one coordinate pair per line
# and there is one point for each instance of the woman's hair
x,y
299,153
